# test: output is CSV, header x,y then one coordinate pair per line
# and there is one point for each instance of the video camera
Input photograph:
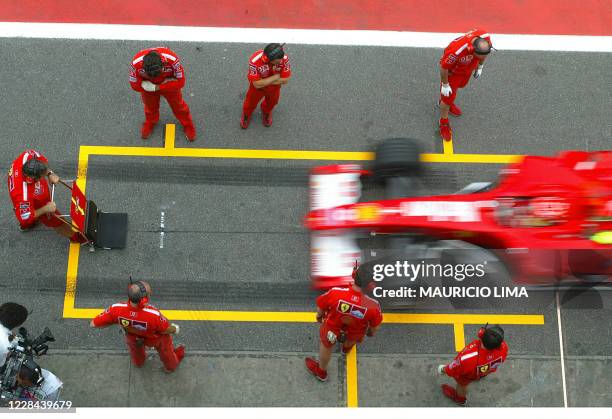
x,y
22,351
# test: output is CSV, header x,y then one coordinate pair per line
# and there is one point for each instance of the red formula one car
x,y
548,219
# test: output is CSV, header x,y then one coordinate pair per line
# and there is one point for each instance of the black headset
x,y
495,330
142,297
275,51
478,51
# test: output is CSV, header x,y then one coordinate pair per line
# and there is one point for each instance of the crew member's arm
x,y
375,322
164,327
320,314
172,329
135,80
443,75
104,319
46,209
285,73
323,305
53,178
261,83
175,83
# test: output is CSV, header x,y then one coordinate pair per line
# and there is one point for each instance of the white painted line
x,y
162,225
561,348
295,36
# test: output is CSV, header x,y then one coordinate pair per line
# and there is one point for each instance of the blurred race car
x,y
548,219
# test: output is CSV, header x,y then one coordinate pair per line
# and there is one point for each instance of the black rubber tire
x,y
396,157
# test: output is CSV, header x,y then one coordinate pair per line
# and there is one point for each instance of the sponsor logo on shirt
x,y
488,367
351,309
37,188
134,324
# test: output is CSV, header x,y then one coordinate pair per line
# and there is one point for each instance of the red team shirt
x,y
260,67
147,322
349,310
171,68
459,58
475,361
28,197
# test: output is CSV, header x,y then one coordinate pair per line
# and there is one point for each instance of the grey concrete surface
x,y
233,379
414,381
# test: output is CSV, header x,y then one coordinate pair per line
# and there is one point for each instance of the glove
x,y
148,86
446,90
176,326
478,72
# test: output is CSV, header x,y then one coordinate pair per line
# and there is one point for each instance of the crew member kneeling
x,y
30,194
144,325
478,359
346,315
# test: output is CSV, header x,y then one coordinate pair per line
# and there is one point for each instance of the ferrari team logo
x,y
483,369
351,309
125,322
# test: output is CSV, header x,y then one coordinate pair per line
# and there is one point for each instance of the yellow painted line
x,y
448,147
352,391
170,135
435,318
232,153
309,317
471,158
227,153
459,336
71,278
82,170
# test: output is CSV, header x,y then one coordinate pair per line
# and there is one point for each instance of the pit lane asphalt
x,y
234,237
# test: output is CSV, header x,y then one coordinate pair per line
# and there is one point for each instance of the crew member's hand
x,y
176,328
478,72
446,90
49,207
319,318
53,178
148,86
369,332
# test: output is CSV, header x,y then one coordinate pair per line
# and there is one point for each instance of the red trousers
x,y
176,102
253,96
163,345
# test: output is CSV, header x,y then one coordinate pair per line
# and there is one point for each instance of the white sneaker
x,y
441,369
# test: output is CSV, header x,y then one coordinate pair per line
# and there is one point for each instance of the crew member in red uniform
x,y
144,325
478,359
464,56
157,72
30,194
346,315
269,69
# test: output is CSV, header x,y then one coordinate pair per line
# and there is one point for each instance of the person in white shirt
x,y
12,315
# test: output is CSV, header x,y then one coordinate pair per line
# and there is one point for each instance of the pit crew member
x,y
477,360
31,196
156,72
144,326
463,57
269,69
346,316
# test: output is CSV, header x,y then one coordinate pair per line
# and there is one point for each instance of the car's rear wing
x,y
333,252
